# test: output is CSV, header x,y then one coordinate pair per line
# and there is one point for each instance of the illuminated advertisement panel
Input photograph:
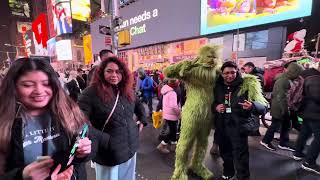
x,y
59,17
64,50
224,15
80,9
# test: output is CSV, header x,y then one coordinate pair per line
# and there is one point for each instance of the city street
x,y
264,164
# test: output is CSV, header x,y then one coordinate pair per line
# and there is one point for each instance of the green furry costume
x,y
199,77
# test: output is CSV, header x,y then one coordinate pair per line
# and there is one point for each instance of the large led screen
x,y
59,17
80,9
224,15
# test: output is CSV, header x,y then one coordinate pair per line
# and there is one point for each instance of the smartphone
x,y
82,134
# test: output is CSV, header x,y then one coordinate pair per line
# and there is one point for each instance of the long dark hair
x,y
63,109
105,89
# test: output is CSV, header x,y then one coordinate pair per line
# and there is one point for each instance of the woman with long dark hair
x,y
110,105
38,123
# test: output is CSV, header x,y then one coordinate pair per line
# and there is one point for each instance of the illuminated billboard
x,y
59,17
64,50
224,15
80,9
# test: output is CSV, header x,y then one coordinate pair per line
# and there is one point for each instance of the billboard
x,y
64,50
80,9
20,8
87,49
224,15
59,17
154,21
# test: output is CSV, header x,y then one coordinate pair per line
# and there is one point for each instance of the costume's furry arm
x,y
252,85
179,70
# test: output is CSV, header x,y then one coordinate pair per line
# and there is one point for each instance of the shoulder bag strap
x,y
112,111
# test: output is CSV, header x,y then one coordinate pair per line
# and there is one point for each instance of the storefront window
x,y
256,40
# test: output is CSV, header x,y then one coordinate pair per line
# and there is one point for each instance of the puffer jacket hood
x,y
165,89
294,70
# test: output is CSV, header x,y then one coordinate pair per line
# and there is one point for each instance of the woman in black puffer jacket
x,y
117,159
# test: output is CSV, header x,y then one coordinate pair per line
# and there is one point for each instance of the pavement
x,y
264,164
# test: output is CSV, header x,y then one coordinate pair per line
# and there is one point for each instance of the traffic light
x,y
124,37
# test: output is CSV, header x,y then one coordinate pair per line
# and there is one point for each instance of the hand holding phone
x,y
39,169
82,134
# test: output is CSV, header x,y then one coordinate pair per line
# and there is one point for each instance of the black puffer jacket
x,y
259,73
15,159
123,130
311,101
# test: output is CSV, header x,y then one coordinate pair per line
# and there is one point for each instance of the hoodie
x,y
279,103
170,108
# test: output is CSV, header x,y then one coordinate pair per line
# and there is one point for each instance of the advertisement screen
x,y
80,9
59,17
154,21
64,50
20,8
224,15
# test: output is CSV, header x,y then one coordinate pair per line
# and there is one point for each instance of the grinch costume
x,y
199,76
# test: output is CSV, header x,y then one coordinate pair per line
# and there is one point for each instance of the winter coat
x,y
240,90
146,85
311,100
279,103
259,73
74,90
15,159
170,106
81,82
123,130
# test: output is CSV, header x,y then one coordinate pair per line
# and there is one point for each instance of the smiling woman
x,y
38,119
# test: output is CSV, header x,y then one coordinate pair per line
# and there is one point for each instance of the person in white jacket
x,y
171,114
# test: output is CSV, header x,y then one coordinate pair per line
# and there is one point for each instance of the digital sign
x,y
80,9
224,15
64,50
59,17
20,8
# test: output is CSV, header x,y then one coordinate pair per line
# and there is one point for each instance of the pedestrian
x,y
38,119
171,115
311,123
146,87
80,80
73,86
250,68
279,108
109,103
237,98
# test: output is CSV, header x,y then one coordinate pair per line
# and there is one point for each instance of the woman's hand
x,y
140,125
65,175
84,147
37,170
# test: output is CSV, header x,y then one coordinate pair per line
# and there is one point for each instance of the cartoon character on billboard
x,y
222,7
296,43
270,6
245,6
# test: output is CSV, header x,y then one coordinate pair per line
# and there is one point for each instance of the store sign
x,y
98,30
154,21
87,49
151,50
183,57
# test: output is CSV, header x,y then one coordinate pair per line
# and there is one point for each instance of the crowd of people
x,y
44,115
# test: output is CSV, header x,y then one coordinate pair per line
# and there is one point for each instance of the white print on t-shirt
x,y
39,136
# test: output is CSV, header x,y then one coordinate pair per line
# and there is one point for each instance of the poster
x,y
87,48
224,15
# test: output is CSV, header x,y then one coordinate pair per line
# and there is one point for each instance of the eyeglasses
x,y
110,71
229,73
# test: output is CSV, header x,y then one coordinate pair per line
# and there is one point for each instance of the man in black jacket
x,y
235,100
250,68
311,122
